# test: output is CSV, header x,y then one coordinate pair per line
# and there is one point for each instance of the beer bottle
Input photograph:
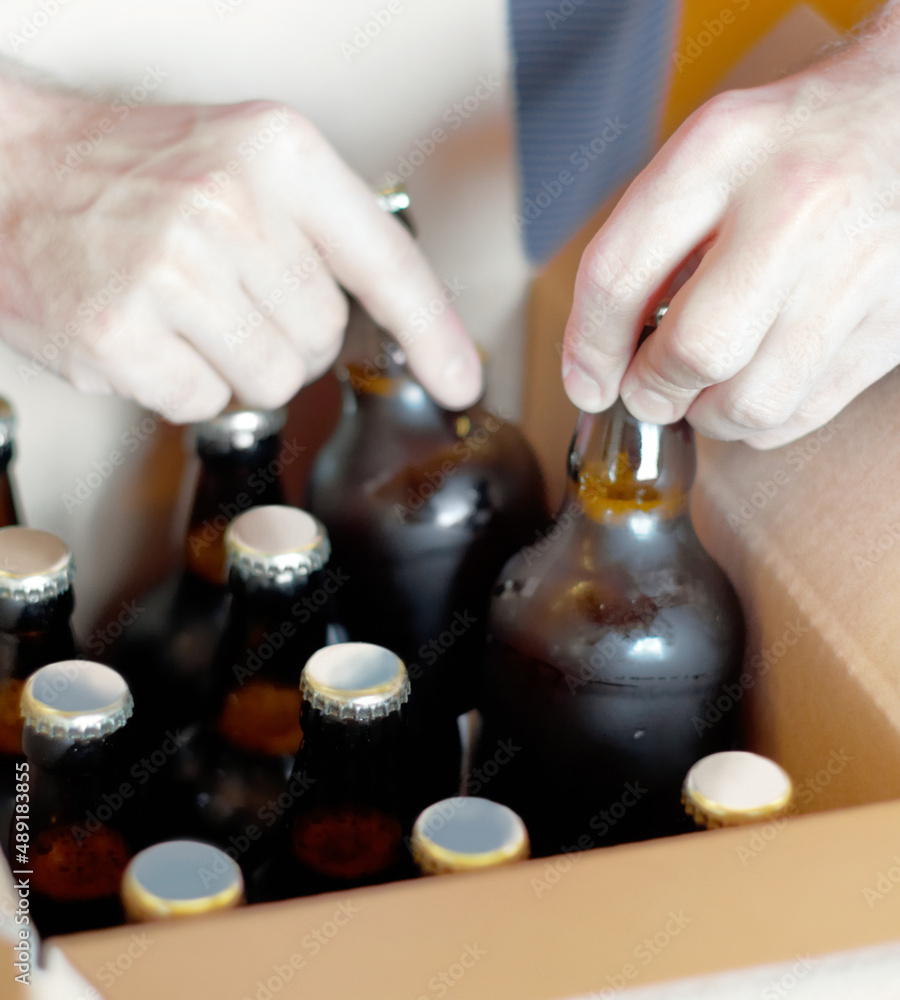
x,y
180,878
8,511
236,769
36,602
736,787
423,507
467,834
610,639
166,654
350,798
75,835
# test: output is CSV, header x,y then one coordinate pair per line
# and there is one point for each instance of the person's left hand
x,y
788,195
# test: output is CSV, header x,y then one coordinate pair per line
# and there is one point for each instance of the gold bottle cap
x,y
465,834
736,787
7,423
180,878
276,543
238,428
355,680
34,565
76,700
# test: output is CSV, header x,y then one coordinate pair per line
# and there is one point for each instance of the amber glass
x,y
31,636
167,654
81,829
608,640
8,512
350,818
233,775
423,507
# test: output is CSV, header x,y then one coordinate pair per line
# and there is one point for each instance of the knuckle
x,y
607,284
754,412
705,357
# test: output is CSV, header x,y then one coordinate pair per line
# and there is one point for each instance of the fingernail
x,y
649,406
581,388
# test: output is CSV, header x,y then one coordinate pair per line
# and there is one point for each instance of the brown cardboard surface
x,y
713,901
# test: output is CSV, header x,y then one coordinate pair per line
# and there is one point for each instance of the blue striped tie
x,y
590,75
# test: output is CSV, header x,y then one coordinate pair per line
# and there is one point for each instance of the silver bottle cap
x,y
465,834
180,878
76,700
276,543
34,565
736,787
239,429
7,423
355,680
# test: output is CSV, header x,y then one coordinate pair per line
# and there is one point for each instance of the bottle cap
x,y
736,787
180,878
7,423
355,680
34,565
76,699
465,834
276,543
239,429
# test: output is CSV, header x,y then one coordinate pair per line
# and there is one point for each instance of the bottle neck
x,y
619,466
229,483
271,633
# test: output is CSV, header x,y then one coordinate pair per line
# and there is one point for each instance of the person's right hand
x,y
178,254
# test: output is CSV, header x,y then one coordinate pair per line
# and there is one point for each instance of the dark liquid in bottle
x,y
607,647
423,507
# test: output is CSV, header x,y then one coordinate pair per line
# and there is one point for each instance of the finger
x,y
715,323
145,361
203,299
669,211
288,280
378,261
851,372
796,354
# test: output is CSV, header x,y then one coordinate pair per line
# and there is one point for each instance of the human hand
x,y
783,201
178,254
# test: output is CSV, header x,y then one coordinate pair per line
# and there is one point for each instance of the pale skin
x,y
780,202
783,205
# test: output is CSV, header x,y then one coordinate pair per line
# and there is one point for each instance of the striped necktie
x,y
590,77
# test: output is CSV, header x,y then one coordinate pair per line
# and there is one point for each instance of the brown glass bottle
x,y
423,507
77,837
608,640
36,603
351,808
166,654
8,510
235,771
